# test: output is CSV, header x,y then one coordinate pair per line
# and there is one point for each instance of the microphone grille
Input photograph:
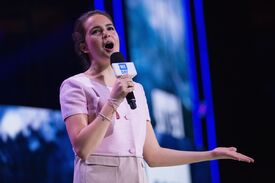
x,y
117,57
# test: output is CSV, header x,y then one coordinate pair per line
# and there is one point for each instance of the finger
x,y
241,157
130,89
233,148
248,159
251,160
130,84
124,76
126,81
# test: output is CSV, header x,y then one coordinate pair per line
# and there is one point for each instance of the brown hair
x,y
80,32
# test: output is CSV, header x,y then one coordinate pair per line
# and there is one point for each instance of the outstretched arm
x,y
157,156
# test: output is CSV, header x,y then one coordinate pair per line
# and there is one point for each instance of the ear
x,y
83,47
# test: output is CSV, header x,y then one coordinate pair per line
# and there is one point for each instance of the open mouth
x,y
109,45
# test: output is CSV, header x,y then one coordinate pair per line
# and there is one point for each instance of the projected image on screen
x,y
158,45
34,146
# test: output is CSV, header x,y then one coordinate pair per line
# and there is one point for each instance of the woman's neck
x,y
102,75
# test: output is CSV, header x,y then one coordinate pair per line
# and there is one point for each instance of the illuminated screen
x,y
34,146
158,47
158,43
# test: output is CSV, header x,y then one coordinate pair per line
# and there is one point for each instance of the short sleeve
x,y
72,98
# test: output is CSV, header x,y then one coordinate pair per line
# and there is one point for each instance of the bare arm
x,y
85,137
157,156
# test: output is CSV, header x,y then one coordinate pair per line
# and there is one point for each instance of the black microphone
x,y
121,66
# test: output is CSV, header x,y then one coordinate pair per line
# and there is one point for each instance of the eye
x,y
110,28
95,31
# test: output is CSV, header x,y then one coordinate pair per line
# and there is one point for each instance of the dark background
x,y
240,37
36,55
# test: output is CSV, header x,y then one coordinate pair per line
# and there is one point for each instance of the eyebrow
x,y
97,26
109,25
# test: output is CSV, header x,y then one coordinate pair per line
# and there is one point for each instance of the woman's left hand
x,y
230,153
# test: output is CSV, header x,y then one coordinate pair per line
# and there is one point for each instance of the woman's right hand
x,y
122,87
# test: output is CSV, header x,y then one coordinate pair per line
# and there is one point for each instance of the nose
x,y
105,34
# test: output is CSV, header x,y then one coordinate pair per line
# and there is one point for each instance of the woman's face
x,y
101,38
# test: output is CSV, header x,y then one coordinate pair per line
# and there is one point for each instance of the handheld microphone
x,y
121,67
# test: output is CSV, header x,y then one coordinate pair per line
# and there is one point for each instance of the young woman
x,y
110,140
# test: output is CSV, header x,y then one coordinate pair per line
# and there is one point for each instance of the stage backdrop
x,y
160,44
